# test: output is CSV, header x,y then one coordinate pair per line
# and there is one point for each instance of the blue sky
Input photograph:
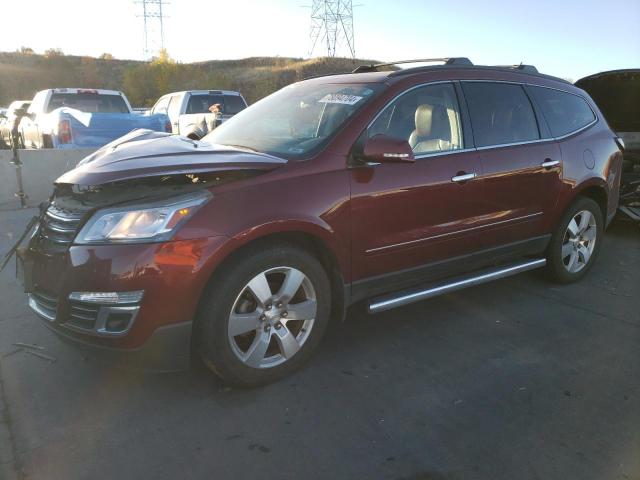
x,y
567,38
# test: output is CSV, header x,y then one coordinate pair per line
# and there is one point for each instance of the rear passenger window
x,y
564,112
501,113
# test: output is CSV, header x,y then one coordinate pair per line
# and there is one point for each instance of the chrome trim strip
x,y
388,302
33,304
74,219
487,147
446,152
58,229
515,144
402,244
100,326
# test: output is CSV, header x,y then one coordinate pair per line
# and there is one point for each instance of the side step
x,y
398,299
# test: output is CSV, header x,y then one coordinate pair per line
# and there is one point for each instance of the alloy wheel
x,y
579,241
272,317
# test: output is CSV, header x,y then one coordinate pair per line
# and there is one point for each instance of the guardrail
x,y
39,169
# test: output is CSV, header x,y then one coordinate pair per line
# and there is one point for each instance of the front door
x,y
405,215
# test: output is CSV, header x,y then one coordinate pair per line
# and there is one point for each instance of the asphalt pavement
x,y
516,379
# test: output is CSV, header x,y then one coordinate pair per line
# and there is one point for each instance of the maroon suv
x,y
386,185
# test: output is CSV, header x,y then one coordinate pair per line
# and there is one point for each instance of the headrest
x,y
424,120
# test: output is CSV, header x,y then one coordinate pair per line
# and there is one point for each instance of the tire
x,y
572,252
240,313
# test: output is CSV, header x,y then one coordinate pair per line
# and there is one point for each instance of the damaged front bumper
x,y
131,305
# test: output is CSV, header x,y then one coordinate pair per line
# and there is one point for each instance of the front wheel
x,y
576,243
263,315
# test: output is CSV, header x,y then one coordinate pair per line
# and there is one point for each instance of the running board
x,y
398,299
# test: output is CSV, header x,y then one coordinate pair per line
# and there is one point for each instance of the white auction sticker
x,y
340,98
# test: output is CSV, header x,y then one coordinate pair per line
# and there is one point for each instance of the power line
x,y
153,19
332,24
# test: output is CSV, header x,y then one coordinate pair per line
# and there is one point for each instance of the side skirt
x,y
387,302
444,269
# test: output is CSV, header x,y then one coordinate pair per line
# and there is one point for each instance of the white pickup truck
x,y
190,111
82,118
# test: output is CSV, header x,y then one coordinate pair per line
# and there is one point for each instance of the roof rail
x,y
446,61
521,67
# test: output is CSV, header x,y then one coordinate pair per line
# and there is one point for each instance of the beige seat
x,y
432,129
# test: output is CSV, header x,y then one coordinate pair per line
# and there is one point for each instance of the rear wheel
x,y
264,315
576,243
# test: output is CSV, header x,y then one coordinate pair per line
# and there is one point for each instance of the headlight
x,y
151,222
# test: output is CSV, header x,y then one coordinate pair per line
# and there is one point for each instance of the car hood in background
x,y
144,153
617,94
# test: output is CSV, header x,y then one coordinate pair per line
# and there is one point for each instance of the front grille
x,y
83,315
44,304
58,227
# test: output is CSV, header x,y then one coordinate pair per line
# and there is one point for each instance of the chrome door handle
x,y
550,163
463,177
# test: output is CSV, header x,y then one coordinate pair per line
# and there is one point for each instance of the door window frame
x,y
543,127
467,137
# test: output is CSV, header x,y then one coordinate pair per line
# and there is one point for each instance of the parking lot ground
x,y
517,379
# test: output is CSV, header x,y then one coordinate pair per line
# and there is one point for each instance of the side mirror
x,y
385,149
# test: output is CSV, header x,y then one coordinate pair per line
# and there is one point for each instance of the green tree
x,y
53,52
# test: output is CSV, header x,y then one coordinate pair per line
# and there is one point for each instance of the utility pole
x,y
332,24
153,21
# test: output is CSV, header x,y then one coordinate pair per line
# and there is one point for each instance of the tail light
x,y
64,131
167,127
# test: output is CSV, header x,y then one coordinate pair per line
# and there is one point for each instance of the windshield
x,y
89,102
294,122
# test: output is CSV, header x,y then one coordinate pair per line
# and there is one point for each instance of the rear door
x,y
405,215
521,169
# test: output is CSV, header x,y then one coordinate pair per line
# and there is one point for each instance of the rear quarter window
x,y
563,111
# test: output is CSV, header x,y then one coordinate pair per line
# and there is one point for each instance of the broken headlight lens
x,y
151,222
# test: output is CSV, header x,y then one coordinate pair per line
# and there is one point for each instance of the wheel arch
x,y
310,237
598,192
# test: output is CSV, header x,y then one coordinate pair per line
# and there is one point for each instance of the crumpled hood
x,y
145,153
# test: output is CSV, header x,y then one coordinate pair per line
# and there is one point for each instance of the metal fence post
x,y
18,166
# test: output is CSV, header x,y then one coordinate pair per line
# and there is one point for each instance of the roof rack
x,y
521,67
447,61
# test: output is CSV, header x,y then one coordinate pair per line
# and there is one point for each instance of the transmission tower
x,y
153,17
332,24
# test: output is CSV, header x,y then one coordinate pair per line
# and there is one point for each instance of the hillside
x,y
22,74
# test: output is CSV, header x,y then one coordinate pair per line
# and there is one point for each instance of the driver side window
x,y
427,117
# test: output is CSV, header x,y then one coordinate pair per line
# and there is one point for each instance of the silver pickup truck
x,y
191,113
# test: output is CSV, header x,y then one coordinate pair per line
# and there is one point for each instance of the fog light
x,y
118,321
107,298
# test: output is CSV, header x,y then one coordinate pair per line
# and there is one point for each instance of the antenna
x,y
332,24
153,18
